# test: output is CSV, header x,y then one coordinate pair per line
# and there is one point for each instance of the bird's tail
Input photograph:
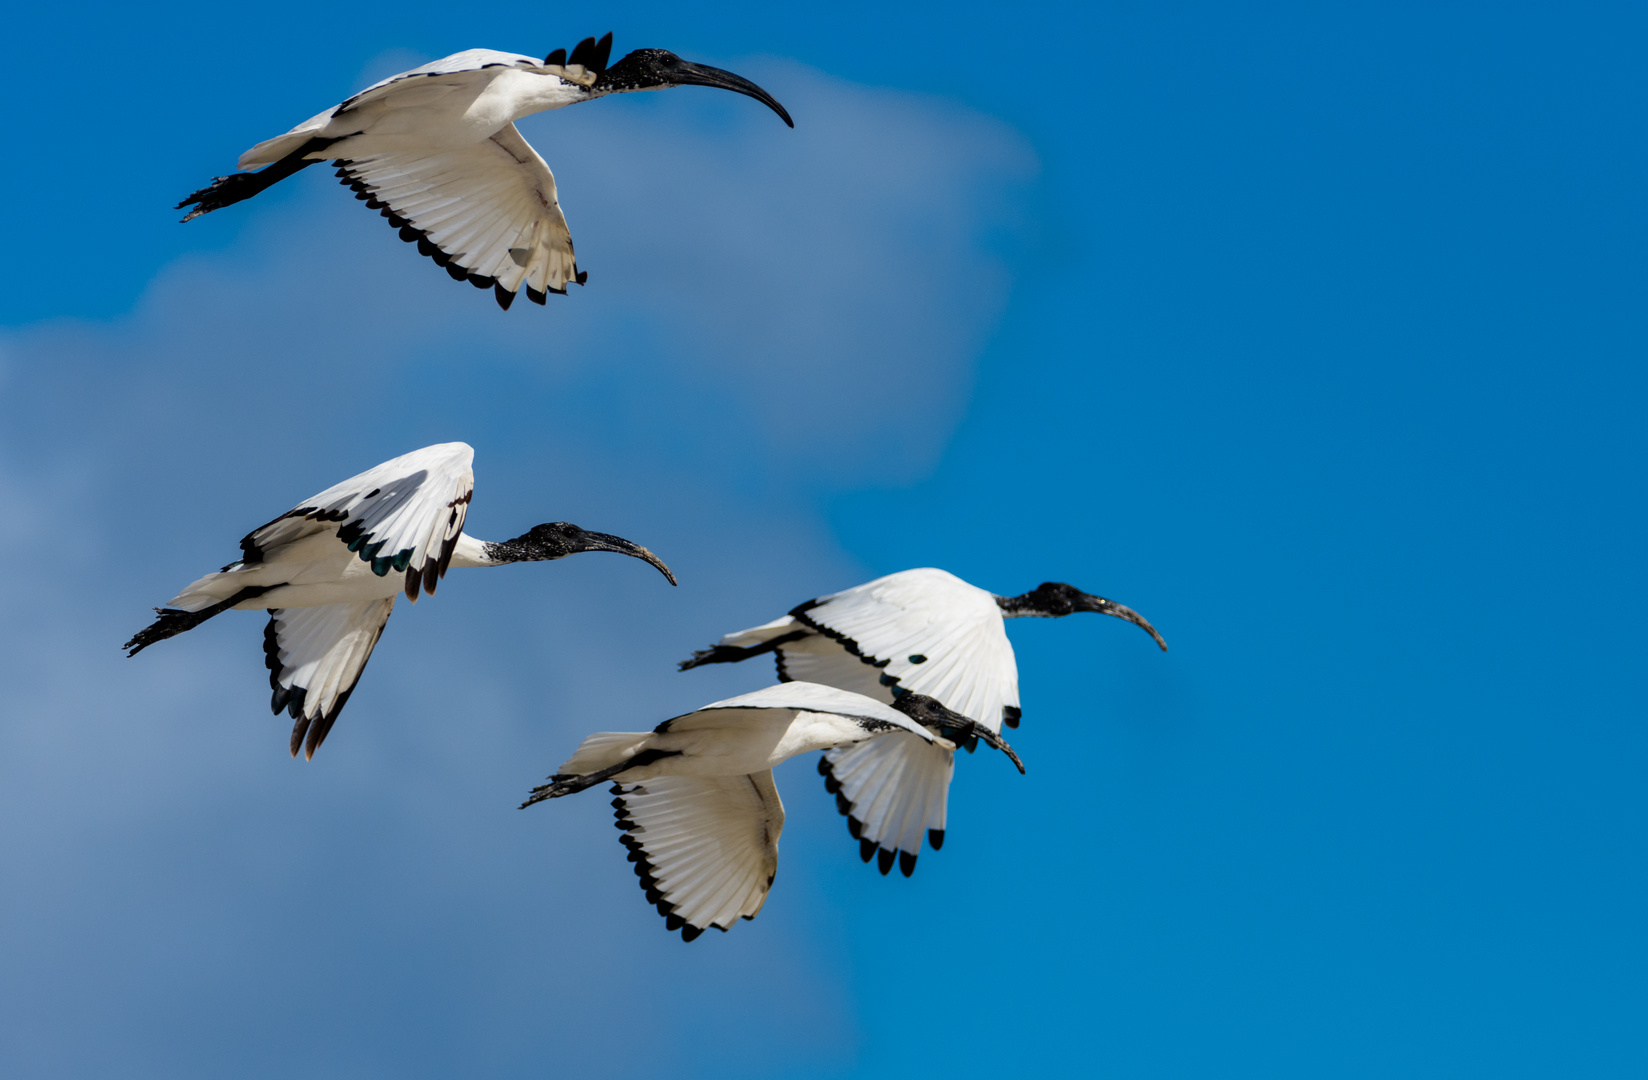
x,y
238,187
603,749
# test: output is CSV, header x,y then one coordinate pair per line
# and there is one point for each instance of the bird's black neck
x,y
1049,600
1028,604
520,549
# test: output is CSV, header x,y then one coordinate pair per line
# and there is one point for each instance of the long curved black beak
x,y
594,541
686,73
986,735
1121,611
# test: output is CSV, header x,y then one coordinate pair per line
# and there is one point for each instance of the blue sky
x,y
1315,333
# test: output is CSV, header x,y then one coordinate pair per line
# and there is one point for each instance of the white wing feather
x,y
405,514
705,848
488,212
894,792
927,630
315,656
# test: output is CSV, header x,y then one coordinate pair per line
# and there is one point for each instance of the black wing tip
x,y
868,849
308,732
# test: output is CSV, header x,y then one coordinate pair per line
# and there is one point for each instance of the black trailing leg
x,y
732,654
237,187
570,784
173,622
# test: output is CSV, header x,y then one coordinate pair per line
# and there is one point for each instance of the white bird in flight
x,y
918,631
695,796
435,150
328,572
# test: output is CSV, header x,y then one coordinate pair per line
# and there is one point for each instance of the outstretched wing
x,y
705,848
893,791
463,73
925,631
405,514
487,212
315,656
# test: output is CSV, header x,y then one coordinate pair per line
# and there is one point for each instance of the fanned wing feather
x,y
705,848
315,656
487,212
405,514
894,792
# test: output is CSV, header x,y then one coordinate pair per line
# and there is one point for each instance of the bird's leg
x,y
173,622
732,654
572,783
237,187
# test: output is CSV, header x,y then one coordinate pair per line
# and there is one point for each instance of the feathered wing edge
x,y
893,791
414,192
315,657
705,848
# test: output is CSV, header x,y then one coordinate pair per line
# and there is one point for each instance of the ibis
x,y
695,796
435,150
328,572
918,631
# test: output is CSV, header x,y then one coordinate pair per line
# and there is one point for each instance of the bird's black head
x,y
930,713
659,69
1055,599
947,723
558,539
